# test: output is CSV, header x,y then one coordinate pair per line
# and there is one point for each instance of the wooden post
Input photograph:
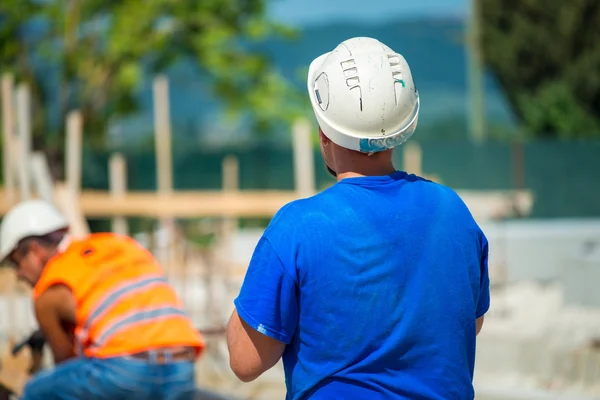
x,y
477,118
164,163
229,227
8,172
24,130
162,125
230,173
8,132
413,156
304,168
68,195
230,185
74,156
118,187
68,203
229,224
42,178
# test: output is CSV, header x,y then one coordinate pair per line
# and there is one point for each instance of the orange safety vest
x,y
124,302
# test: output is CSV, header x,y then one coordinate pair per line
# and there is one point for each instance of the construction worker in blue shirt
x,y
376,287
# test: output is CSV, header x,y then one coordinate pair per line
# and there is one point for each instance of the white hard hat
x,y
26,219
363,95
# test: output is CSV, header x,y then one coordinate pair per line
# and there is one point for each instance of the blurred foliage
x,y
99,51
546,55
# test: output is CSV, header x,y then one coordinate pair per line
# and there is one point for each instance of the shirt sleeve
x,y
268,298
484,291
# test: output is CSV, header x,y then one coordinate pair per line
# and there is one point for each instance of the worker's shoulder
x,y
98,246
301,211
437,189
308,205
442,197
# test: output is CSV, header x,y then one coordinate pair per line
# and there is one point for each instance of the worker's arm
x,y
478,325
250,353
265,316
54,310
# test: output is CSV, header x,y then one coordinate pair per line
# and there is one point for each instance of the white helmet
x,y
363,96
26,219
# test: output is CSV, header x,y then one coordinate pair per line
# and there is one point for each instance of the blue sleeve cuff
x,y
259,327
482,309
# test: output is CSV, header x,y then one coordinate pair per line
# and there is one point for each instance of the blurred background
x,y
186,125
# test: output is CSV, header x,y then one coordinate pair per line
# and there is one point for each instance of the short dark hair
x,y
51,239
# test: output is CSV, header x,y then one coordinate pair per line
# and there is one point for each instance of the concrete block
x,y
581,276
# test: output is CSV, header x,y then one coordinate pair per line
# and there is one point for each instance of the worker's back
x,y
124,303
388,272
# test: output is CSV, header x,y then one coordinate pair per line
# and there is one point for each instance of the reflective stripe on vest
x,y
136,317
126,288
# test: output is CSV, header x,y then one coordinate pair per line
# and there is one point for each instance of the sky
x,y
315,12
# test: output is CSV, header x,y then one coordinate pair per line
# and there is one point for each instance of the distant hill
x,y
433,48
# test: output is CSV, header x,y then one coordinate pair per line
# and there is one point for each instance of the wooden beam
x,y
100,204
186,204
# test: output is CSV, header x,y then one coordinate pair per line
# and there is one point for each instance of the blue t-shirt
x,y
374,285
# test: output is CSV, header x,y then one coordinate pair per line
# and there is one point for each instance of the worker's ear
x,y
38,250
324,139
35,247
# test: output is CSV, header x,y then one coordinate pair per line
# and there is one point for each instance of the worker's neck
x,y
352,164
357,171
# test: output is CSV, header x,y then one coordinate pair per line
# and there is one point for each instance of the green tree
x,y
98,50
546,56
